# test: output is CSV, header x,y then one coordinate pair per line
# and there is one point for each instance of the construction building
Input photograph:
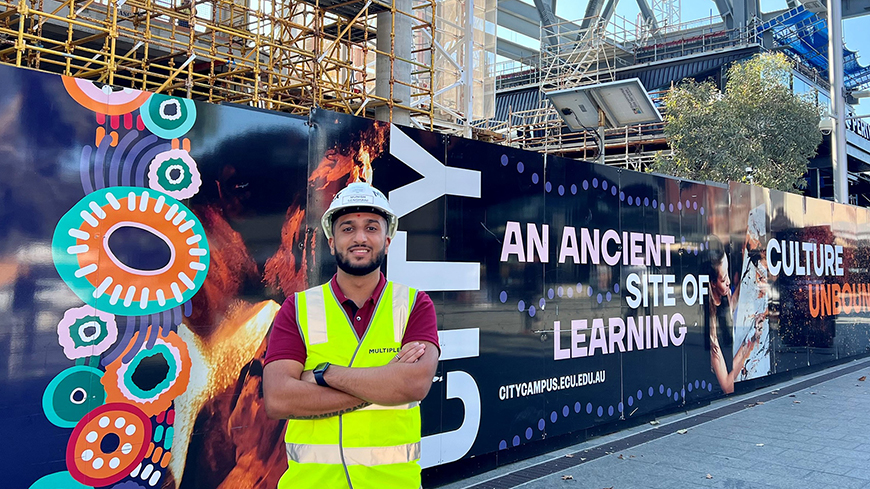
x,y
431,63
285,55
661,51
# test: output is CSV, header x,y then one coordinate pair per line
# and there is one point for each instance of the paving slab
x,y
811,431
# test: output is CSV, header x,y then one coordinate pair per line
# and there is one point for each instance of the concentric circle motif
x,y
168,117
153,378
175,173
72,394
108,444
104,99
130,251
85,332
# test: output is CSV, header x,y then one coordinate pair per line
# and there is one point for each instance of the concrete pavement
x,y
812,431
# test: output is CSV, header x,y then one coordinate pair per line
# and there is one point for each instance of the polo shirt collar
x,y
376,294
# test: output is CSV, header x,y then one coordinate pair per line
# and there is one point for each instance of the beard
x,y
360,270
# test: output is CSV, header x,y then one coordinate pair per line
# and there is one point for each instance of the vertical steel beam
x,y
548,21
839,165
394,37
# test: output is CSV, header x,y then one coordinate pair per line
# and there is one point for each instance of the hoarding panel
x,y
750,298
788,283
693,282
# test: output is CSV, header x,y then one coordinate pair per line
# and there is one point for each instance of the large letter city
x,y
593,246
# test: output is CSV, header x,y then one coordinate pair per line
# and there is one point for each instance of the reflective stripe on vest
x,y
350,449
378,407
401,310
367,456
315,303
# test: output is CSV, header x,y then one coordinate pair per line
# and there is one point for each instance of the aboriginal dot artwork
x,y
174,172
168,117
72,394
152,378
134,255
131,251
108,444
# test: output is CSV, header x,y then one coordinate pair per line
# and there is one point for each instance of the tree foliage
x,y
757,131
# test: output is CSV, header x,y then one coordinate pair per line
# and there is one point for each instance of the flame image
x,y
226,382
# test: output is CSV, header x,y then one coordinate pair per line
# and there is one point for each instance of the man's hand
x,y
409,353
286,395
407,379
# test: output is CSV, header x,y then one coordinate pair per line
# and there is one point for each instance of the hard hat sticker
x,y
357,199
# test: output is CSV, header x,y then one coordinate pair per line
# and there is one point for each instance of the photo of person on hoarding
x,y
720,319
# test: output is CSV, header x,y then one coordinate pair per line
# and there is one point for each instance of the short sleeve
x,y
285,340
423,322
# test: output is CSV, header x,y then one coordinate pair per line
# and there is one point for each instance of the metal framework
x,y
286,55
590,51
580,56
667,14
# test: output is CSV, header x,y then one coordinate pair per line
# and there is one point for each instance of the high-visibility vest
x,y
376,447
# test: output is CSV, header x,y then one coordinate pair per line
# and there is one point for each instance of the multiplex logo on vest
x,y
438,180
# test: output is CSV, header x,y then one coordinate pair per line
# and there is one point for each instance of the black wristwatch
x,y
318,374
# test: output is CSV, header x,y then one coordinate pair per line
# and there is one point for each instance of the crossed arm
x,y
290,392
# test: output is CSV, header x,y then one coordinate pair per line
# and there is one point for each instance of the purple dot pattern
x,y
610,409
614,190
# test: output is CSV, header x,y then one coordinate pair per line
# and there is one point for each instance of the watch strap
x,y
318,374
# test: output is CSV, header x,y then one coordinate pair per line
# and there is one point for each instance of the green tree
x,y
757,131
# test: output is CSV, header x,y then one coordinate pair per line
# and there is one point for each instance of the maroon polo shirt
x,y
286,343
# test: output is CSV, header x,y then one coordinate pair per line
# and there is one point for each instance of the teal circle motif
x,y
169,376
78,331
85,260
168,117
72,394
58,480
165,175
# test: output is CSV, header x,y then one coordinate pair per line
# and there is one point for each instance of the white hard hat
x,y
359,197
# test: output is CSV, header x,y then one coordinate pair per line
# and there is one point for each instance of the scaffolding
x,y
590,51
285,55
667,14
576,55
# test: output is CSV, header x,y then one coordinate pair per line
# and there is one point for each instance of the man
x,y
348,361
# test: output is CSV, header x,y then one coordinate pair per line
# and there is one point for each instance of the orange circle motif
x,y
107,444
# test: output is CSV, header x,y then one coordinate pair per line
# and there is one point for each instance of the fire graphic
x,y
225,391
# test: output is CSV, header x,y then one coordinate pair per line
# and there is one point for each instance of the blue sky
x,y
854,30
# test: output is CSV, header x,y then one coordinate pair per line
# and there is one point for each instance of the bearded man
x,y
348,361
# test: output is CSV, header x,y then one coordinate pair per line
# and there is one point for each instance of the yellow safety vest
x,y
376,447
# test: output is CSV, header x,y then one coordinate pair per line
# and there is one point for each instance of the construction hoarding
x,y
147,241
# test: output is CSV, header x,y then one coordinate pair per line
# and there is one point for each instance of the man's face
x,y
359,242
